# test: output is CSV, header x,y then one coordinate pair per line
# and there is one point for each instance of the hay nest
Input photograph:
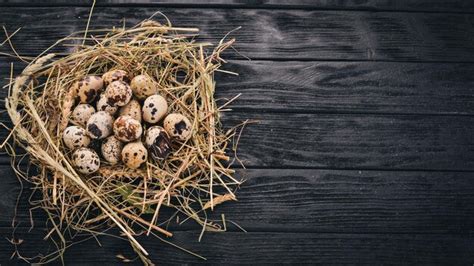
x,y
194,178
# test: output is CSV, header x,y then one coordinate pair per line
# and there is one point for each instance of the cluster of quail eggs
x,y
122,122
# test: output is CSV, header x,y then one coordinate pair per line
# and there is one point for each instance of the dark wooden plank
x,y
353,141
344,87
357,141
400,5
274,34
233,248
367,87
320,201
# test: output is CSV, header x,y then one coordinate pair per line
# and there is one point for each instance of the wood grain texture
x,y
273,34
400,5
270,248
356,141
319,201
353,141
339,87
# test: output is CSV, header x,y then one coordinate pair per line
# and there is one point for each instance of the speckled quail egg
x,y
178,126
88,88
81,113
86,160
118,93
134,154
158,143
75,137
99,126
112,150
143,86
127,129
115,75
132,109
102,105
154,109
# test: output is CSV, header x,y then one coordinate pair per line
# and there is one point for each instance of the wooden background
x,y
365,150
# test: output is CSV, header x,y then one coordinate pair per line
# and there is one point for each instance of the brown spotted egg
x,y
115,75
143,86
86,160
99,126
158,143
134,154
132,109
88,88
118,93
178,126
75,137
102,105
81,113
112,150
127,129
154,109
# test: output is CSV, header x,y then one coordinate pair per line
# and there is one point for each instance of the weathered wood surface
x,y
256,248
354,141
400,5
273,34
339,87
321,201
351,163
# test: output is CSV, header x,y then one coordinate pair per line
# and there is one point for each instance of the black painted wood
x,y
354,141
270,248
320,201
274,34
400,5
339,87
411,123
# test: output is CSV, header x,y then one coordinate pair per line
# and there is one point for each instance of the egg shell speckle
x,y
88,88
81,114
75,137
154,109
86,161
99,125
134,154
112,150
118,93
178,126
158,143
114,75
143,86
132,109
102,105
127,129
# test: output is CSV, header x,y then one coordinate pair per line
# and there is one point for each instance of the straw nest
x,y
193,179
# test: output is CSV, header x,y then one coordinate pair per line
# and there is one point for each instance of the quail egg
x,y
88,88
158,143
81,113
86,160
154,109
102,105
118,93
99,126
178,126
143,86
127,129
115,75
132,109
75,137
112,150
134,154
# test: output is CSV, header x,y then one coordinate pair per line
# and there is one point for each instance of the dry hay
x,y
195,177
